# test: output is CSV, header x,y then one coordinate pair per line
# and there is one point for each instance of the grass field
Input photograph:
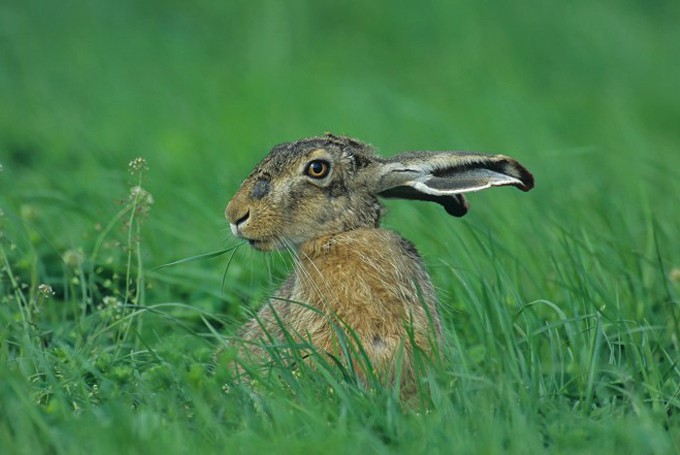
x,y
561,306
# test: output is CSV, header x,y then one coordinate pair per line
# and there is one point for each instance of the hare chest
x,y
372,281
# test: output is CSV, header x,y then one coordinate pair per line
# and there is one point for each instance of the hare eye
x,y
318,169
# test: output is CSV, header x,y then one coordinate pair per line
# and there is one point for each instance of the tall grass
x,y
520,375
560,306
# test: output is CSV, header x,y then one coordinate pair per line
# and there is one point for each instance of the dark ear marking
x,y
455,205
443,177
504,166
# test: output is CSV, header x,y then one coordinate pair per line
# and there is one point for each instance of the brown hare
x,y
318,198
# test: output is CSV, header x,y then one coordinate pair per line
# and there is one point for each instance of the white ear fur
x,y
443,177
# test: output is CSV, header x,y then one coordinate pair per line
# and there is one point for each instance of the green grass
x,y
560,306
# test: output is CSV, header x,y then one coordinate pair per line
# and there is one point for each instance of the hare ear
x,y
442,177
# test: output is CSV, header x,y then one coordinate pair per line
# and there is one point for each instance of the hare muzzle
x,y
237,227
238,215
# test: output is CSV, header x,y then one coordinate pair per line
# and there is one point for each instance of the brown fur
x,y
348,269
378,288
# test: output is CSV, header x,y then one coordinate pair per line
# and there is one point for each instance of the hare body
x,y
318,198
377,287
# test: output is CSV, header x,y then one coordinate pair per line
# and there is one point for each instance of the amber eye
x,y
318,169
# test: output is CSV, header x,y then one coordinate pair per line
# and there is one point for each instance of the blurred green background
x,y
585,94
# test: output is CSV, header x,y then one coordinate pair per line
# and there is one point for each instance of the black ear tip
x,y
526,177
455,205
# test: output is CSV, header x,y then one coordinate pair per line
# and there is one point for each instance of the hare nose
x,y
243,219
238,225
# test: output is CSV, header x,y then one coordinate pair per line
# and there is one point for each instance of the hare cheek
x,y
260,189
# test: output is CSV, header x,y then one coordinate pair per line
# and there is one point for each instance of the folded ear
x,y
442,177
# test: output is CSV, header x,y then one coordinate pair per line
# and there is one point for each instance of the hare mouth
x,y
261,244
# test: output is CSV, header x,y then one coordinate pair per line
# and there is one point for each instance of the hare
x,y
319,198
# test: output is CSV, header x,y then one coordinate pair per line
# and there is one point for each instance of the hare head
x,y
330,184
